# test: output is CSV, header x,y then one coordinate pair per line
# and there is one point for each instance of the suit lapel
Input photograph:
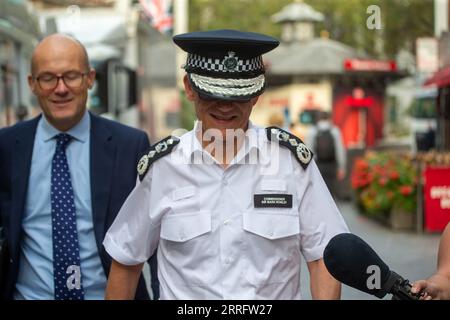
x,y
102,154
21,164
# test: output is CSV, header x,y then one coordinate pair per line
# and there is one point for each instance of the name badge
x,y
272,200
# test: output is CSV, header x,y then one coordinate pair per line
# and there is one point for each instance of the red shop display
x,y
437,198
359,113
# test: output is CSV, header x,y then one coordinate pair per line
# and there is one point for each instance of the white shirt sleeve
x,y
320,219
133,236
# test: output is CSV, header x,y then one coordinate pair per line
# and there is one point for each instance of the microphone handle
x,y
402,290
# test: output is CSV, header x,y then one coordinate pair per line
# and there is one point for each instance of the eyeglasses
x,y
72,80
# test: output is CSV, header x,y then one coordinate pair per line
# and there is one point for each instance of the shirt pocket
x,y
272,247
188,247
184,200
185,227
272,225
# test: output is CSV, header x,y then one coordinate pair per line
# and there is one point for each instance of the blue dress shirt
x,y
35,280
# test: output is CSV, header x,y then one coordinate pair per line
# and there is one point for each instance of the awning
x,y
440,78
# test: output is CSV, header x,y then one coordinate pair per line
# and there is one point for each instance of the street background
x,y
381,68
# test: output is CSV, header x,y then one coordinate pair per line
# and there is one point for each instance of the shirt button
x,y
226,222
225,182
227,261
270,234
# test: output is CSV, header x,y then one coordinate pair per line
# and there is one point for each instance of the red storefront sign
x,y
437,198
369,65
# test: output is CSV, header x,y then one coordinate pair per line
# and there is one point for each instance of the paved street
x,y
411,255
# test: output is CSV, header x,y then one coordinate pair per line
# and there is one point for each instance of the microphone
x,y
353,262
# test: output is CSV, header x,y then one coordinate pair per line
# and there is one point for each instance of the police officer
x,y
230,206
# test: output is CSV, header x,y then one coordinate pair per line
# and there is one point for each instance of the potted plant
x,y
402,215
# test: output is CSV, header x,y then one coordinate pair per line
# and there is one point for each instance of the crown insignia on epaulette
x,y
156,151
293,143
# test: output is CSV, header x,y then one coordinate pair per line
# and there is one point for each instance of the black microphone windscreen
x,y
352,261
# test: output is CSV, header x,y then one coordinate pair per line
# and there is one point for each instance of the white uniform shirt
x,y
212,241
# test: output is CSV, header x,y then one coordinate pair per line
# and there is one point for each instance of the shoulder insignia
x,y
293,143
158,150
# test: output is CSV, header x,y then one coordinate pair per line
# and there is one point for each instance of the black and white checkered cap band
x,y
229,87
196,61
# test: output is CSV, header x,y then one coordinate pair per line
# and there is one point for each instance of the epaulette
x,y
157,151
293,143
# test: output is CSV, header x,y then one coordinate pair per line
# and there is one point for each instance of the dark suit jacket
x,y
115,150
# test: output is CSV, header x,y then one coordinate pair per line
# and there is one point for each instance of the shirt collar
x,y
80,131
254,138
252,146
189,142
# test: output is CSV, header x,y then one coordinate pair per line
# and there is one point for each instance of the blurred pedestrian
x,y
231,207
325,140
63,177
429,139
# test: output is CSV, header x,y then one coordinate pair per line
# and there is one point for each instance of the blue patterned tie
x,y
66,251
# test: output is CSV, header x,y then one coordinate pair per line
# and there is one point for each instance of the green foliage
x,y
423,108
247,15
403,21
187,113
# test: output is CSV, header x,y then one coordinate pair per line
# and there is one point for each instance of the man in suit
x,y
63,177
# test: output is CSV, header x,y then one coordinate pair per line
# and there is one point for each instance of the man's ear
x,y
254,100
91,77
32,84
190,93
